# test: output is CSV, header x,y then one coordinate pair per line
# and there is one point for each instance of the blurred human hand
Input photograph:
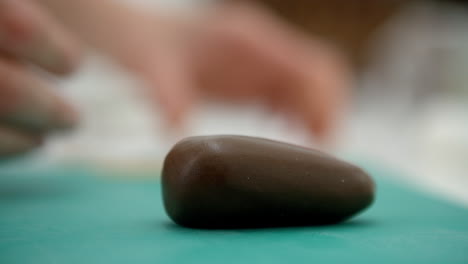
x,y
29,109
239,53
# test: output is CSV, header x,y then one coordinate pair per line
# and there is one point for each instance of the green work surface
x,y
79,216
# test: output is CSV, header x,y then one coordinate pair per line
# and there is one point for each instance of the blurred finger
x,y
29,34
325,85
170,85
27,102
13,141
314,78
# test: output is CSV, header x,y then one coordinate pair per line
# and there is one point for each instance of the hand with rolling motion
x,y
231,52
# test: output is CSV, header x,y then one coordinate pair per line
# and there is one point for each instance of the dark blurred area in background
x,y
349,25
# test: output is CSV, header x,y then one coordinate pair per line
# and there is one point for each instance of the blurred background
x,y
409,110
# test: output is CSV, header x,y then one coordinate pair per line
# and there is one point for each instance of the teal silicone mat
x,y
79,216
